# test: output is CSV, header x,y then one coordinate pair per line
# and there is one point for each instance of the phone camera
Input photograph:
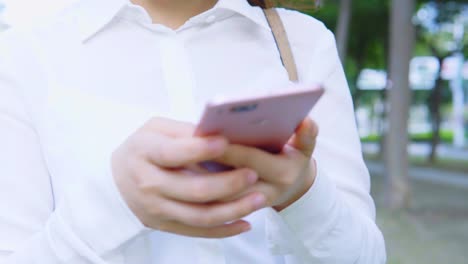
x,y
244,108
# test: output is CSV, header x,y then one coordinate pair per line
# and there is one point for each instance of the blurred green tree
x,y
342,28
370,46
435,23
402,37
367,45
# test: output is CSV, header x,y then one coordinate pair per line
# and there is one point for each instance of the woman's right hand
x,y
150,170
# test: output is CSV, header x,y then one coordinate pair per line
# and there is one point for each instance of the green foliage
x,y
368,36
369,31
424,96
446,136
436,22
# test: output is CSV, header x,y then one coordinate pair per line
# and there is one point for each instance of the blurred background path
x,y
423,150
431,175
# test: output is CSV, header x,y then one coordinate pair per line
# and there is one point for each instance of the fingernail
x,y
252,177
259,201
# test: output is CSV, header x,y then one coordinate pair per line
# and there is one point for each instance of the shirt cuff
x,y
313,208
96,214
307,219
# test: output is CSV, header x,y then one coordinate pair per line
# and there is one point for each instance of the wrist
x,y
307,181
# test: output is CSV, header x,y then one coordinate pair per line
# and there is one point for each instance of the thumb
x,y
305,137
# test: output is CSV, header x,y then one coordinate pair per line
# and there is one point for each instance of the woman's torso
x,y
105,72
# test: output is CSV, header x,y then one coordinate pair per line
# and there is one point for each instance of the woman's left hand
x,y
284,177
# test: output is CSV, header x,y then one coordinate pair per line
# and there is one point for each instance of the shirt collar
x,y
243,8
97,14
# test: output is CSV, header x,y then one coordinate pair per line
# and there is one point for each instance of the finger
x,y
268,190
264,163
177,152
208,187
305,137
170,127
275,197
210,215
222,231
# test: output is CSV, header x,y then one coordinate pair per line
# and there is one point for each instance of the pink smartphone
x,y
265,122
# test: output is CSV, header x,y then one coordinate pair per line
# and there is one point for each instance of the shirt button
x,y
210,19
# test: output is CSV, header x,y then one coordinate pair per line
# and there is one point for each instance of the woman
x,y
96,121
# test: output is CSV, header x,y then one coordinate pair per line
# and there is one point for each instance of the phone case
x,y
265,122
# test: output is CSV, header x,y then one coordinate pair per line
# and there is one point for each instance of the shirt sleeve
x,y
334,222
87,225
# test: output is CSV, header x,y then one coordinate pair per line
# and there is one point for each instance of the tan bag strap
x,y
282,42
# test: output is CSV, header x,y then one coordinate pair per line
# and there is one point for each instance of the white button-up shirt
x,y
72,90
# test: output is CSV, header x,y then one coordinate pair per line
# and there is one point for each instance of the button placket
x,y
178,77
